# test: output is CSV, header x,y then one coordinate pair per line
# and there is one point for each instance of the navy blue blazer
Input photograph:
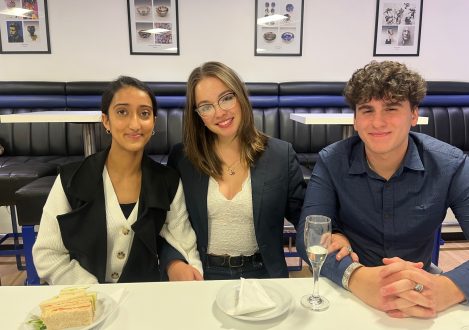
x,y
278,190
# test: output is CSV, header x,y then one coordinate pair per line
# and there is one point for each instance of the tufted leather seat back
x,y
23,140
170,98
310,97
264,100
85,96
447,106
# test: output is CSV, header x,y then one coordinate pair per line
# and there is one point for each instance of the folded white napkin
x,y
251,297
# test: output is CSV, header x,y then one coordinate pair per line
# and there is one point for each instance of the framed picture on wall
x,y
24,27
279,28
153,27
398,26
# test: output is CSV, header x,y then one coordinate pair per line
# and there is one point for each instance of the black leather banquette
x,y
32,152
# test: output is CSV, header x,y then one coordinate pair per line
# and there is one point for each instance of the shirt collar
x,y
412,158
358,164
357,159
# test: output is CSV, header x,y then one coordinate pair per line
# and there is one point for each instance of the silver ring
x,y
418,287
350,250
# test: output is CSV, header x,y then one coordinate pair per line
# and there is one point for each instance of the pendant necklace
x,y
231,169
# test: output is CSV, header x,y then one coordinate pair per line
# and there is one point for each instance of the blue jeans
x,y
255,269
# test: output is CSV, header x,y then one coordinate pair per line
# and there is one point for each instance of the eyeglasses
x,y
226,102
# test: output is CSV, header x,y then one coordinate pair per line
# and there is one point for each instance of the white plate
x,y
226,300
105,306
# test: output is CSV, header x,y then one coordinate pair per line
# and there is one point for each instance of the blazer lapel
x,y
258,175
201,189
195,190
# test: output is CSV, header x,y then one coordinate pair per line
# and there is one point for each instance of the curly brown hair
x,y
386,80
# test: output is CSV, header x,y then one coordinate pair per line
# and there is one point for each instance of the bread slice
x,y
73,307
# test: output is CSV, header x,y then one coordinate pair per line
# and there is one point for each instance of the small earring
x,y
153,132
108,131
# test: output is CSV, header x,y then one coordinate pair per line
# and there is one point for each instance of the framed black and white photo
x,y
398,26
24,27
279,28
153,27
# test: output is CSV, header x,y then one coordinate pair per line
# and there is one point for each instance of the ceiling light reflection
x,y
21,12
156,31
270,19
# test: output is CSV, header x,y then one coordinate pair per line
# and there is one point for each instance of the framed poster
x,y
153,27
24,27
279,28
398,26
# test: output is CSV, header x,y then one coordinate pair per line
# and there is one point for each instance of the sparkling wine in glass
x,y
317,239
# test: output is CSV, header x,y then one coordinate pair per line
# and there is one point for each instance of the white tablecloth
x,y
191,305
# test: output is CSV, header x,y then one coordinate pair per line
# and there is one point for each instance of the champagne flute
x,y
317,239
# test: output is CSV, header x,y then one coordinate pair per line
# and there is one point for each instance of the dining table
x,y
344,119
196,305
86,118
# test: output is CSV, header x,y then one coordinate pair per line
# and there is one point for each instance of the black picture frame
x,y
153,27
398,27
24,27
276,35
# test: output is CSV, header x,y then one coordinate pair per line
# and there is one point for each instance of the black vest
x,y
84,232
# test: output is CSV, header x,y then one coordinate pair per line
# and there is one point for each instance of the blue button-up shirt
x,y
397,217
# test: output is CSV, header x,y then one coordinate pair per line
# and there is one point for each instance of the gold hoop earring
x,y
153,132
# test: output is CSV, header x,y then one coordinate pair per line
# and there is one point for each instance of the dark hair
x,y
16,25
385,80
122,82
199,141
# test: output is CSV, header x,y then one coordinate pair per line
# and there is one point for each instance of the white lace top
x,y
230,222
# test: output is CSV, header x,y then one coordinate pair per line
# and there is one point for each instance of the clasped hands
x,y
400,288
403,289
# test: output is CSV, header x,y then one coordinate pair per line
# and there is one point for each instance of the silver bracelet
x,y
348,272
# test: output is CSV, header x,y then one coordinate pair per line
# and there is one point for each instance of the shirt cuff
x,y
334,270
459,276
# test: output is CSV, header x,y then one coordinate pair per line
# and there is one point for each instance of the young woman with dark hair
x,y
110,217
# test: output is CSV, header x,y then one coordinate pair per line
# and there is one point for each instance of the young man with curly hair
x,y
387,190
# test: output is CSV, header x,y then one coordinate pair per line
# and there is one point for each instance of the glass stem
x,y
316,270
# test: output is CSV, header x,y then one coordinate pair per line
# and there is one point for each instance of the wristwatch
x,y
348,272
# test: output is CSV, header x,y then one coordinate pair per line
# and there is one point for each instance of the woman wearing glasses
x,y
238,183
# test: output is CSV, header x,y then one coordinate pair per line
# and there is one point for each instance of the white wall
x,y
89,41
